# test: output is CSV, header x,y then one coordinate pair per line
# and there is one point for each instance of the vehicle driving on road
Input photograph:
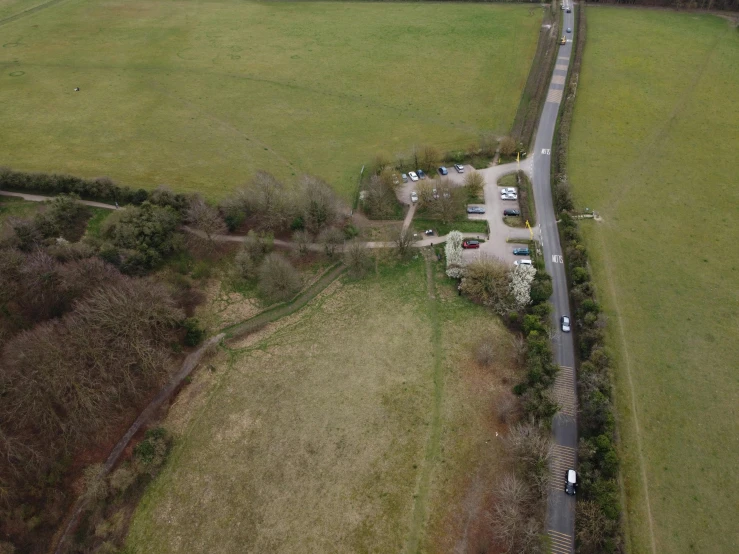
x,y
571,482
565,324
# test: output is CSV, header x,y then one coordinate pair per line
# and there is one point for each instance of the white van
x,y
522,262
571,482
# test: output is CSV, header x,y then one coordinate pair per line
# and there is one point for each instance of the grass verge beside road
x,y
199,96
665,275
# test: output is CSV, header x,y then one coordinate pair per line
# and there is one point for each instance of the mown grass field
x,y
654,149
359,424
200,95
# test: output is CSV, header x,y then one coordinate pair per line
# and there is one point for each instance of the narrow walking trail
x,y
433,442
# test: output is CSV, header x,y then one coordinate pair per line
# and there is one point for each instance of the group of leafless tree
x,y
271,206
521,493
79,344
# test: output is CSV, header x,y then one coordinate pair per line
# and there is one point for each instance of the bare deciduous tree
x,y
320,207
404,241
592,527
485,352
357,258
278,279
302,239
205,218
331,238
507,146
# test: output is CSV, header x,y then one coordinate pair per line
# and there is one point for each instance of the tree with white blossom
x,y
520,286
453,251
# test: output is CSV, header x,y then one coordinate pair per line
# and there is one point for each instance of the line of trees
x,y
729,5
598,518
102,189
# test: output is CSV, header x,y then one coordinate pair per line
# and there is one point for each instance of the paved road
x,y
561,508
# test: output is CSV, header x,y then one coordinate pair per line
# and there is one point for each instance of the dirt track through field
x,y
431,456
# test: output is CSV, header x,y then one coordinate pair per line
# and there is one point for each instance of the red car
x,y
471,244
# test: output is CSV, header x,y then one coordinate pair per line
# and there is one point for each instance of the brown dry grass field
x,y
359,424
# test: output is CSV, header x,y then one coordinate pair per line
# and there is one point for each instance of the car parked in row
x,y
509,196
443,170
459,168
512,213
471,244
404,177
413,176
508,190
420,173
523,262
475,210
521,252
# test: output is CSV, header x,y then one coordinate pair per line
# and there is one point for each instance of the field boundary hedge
x,y
101,189
537,84
598,525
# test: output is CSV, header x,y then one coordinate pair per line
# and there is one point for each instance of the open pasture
x,y
200,95
654,149
359,424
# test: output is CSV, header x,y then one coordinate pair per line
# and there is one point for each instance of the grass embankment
x,y
653,149
13,207
201,95
441,229
358,424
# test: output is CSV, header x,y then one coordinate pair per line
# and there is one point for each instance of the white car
x,y
413,176
414,197
508,190
459,168
509,197
522,262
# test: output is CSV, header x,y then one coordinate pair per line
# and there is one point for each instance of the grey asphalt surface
x,y
561,507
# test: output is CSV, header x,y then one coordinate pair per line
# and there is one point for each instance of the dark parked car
x,y
521,252
471,244
511,212
571,482
443,170
565,324
475,210
421,174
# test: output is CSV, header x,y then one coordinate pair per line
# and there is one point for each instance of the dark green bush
x,y
194,333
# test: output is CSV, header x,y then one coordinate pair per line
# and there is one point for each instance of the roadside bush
x,y
194,333
278,279
473,184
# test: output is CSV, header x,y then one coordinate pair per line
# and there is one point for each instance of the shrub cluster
x,y
102,188
540,367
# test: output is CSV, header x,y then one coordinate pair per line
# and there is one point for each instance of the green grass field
x,y
359,424
654,149
200,95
